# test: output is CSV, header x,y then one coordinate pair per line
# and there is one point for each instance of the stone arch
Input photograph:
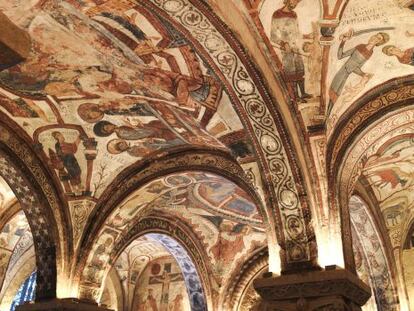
x,y
240,291
370,237
286,193
114,292
22,270
25,175
363,144
203,163
135,176
376,117
172,235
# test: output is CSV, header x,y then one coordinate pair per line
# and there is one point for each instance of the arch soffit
x,y
242,278
135,177
347,171
364,113
257,111
162,225
23,171
381,256
365,193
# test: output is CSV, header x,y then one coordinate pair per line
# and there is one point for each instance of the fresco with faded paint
x,y
112,83
161,287
389,173
293,32
370,248
132,262
6,194
221,215
373,44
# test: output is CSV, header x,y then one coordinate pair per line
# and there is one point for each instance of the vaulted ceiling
x,y
232,117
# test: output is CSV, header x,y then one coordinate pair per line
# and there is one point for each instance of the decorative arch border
x,y
384,283
344,179
285,191
387,97
177,231
24,173
217,162
240,281
136,176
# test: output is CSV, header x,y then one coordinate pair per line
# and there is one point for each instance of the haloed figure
x,y
357,57
64,160
404,56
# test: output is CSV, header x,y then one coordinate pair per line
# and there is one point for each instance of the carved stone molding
x,y
61,305
277,158
243,278
336,289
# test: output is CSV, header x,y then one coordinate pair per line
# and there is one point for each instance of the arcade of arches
x,y
220,155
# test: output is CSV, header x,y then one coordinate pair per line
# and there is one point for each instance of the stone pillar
x,y
333,289
68,304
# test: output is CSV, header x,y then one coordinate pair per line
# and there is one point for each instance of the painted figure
x,y
154,129
140,148
97,262
284,36
106,128
64,160
404,56
150,304
357,57
230,242
92,113
177,303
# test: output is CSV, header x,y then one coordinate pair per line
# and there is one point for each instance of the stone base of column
x,y
69,304
332,289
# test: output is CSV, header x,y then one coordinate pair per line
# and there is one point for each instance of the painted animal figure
x,y
387,176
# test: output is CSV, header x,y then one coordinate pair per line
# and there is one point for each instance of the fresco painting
x,y
132,262
294,35
162,287
372,46
6,194
125,80
15,232
389,173
226,223
370,248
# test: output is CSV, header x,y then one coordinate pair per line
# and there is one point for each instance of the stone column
x,y
333,289
68,304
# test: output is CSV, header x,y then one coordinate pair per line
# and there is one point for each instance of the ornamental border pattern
x,y
157,224
36,207
187,160
274,158
369,108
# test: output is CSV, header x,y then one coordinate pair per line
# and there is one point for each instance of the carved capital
x,y
319,290
69,304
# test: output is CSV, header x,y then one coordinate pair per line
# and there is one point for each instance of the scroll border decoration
x,y
292,206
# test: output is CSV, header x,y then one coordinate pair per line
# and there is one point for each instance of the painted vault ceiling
x,y
112,85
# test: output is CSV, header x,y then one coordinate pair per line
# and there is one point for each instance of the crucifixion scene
x,y
206,155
